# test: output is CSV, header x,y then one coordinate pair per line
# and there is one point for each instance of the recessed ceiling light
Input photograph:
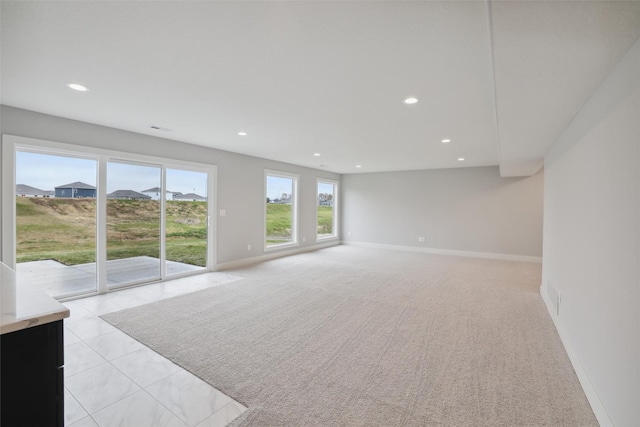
x,y
461,159
316,154
242,133
446,141
358,166
78,87
411,100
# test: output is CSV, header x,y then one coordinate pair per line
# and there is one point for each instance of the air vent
x,y
160,128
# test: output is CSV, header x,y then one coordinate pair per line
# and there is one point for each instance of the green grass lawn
x,y
64,230
55,229
325,220
279,222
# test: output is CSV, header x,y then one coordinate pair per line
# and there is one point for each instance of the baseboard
x,y
486,255
273,255
594,400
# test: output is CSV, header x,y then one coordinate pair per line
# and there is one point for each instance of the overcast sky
x,y
325,188
47,172
276,186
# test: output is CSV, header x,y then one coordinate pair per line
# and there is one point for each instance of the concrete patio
x,y
59,280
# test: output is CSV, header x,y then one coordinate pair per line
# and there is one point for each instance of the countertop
x,y
33,308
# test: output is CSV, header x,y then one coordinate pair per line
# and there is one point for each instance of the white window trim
x,y
294,210
12,143
336,206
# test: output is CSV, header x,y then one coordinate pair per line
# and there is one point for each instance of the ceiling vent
x,y
160,128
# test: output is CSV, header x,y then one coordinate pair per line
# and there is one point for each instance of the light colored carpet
x,y
349,336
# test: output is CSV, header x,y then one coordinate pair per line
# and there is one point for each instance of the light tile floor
x,y
113,380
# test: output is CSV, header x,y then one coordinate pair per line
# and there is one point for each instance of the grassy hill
x,y
64,229
59,229
279,222
325,220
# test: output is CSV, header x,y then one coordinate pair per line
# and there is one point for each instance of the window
x,y
280,209
327,201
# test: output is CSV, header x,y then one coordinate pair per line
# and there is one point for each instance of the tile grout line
x,y
81,405
142,388
93,314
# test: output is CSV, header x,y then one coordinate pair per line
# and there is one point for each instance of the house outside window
x,y
280,209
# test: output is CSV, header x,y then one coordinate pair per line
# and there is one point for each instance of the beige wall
x,y
592,242
465,209
240,178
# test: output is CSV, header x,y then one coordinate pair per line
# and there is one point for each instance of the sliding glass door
x,y
133,224
88,222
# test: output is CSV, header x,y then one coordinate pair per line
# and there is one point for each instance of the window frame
x,y
336,203
294,210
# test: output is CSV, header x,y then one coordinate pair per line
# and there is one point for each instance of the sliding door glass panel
x,y
326,215
133,223
280,210
56,223
186,219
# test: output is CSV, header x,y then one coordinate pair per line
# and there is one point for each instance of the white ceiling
x,y
502,80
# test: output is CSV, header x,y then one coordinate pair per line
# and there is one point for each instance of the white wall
x,y
465,209
591,242
240,178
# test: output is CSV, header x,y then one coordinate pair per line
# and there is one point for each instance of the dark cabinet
x,y
32,377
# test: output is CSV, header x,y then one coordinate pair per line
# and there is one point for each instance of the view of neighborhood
x,y
324,199
57,220
280,198
81,190
57,216
42,175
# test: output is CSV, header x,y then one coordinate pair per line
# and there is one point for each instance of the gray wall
x,y
466,209
592,241
240,178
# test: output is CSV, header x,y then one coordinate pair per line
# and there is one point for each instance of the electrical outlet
x,y
348,234
559,303
304,239
422,239
223,212
249,247
555,296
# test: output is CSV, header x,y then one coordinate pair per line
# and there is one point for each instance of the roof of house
x,y
189,196
156,190
127,194
78,184
27,189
